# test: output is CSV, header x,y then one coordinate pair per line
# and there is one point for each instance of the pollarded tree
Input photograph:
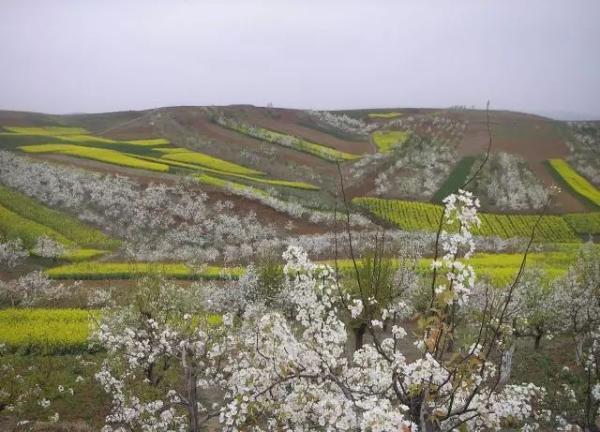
x,y
294,374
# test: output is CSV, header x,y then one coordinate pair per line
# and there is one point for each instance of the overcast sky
x,y
63,56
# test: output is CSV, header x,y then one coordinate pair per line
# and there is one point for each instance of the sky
x,y
66,56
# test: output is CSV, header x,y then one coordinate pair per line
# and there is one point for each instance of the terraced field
x,y
319,150
456,179
98,154
575,181
387,140
23,217
153,154
419,216
125,270
45,331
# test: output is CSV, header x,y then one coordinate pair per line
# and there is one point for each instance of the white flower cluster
x,y
342,122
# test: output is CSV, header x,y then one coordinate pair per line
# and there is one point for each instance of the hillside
x,y
446,137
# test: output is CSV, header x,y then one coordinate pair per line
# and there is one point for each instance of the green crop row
x,y
46,130
204,160
71,228
418,216
584,223
45,331
124,270
99,154
387,140
456,179
576,182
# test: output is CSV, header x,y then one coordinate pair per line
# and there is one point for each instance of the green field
x,y
71,228
419,216
387,140
99,154
456,179
124,270
384,115
584,223
46,130
14,226
204,160
576,182
45,331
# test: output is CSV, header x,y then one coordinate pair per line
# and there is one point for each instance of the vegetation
x,y
98,154
14,226
204,160
415,216
388,139
577,183
584,223
45,331
71,228
296,143
385,115
46,130
124,270
456,179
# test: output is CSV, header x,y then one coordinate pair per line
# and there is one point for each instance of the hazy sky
x,y
64,56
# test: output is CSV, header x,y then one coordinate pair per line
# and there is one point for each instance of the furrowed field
x,y
417,216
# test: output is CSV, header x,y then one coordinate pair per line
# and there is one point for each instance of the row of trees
x,y
301,348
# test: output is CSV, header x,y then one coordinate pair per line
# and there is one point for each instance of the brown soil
x,y
284,120
534,138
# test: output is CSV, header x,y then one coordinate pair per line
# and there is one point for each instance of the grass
x,y
386,140
584,223
45,331
418,216
456,179
71,228
576,182
124,270
385,115
98,154
204,160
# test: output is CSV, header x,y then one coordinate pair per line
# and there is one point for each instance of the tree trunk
x,y
192,396
538,340
359,334
506,364
579,349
